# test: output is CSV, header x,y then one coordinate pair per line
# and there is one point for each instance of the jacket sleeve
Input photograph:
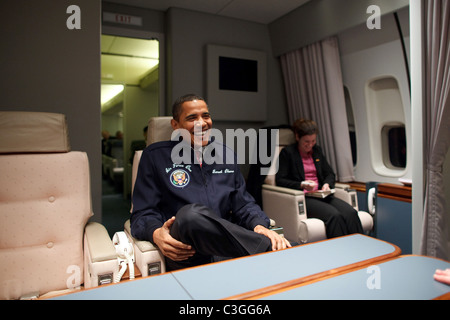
x,y
146,217
286,177
324,171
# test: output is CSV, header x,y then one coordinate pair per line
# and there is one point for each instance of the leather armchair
x,y
46,241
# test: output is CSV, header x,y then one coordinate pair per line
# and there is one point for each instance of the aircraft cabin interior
x,y
87,95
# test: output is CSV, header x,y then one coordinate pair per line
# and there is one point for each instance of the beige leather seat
x,y
287,206
149,259
46,242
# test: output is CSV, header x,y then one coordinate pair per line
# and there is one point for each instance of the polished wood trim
x,y
356,185
445,296
262,292
395,192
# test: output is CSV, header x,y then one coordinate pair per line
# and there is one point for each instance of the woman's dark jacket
x,y
291,172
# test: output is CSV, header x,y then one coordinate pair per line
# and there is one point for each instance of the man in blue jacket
x,y
190,199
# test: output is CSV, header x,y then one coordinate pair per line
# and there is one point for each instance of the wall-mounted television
x,y
238,74
236,84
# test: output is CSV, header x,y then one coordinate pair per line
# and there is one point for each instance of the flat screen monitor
x,y
238,74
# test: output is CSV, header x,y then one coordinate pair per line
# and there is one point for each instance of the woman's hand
x,y
308,185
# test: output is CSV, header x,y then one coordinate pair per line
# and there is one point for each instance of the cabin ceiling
x,y
261,11
127,60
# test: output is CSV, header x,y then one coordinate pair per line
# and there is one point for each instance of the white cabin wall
x,y
366,55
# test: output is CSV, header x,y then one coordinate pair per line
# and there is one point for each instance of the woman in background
x,y
303,166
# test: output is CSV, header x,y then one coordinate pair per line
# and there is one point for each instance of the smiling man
x,y
193,116
195,210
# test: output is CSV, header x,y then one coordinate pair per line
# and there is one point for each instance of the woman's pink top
x,y
310,169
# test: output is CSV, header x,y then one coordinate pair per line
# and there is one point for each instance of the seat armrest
x,y
285,206
99,242
342,194
347,195
149,258
366,221
293,192
288,208
312,230
341,186
100,259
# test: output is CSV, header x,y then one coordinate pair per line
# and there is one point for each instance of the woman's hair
x,y
176,108
304,127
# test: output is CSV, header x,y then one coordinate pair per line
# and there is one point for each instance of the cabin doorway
x,y
130,95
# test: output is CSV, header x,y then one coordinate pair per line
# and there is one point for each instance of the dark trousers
x,y
212,236
339,217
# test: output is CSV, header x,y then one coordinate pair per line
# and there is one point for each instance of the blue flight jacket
x,y
164,185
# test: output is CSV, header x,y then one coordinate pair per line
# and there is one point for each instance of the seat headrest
x,y
286,137
159,129
33,132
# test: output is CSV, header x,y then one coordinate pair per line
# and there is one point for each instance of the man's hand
x,y
278,242
169,246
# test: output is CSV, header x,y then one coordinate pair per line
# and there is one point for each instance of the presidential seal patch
x,y
179,178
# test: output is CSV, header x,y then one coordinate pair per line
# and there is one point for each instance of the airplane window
x,y
395,140
386,126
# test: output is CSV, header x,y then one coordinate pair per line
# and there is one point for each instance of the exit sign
x,y
122,18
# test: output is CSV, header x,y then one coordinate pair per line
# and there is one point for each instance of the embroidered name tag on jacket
x,y
222,171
